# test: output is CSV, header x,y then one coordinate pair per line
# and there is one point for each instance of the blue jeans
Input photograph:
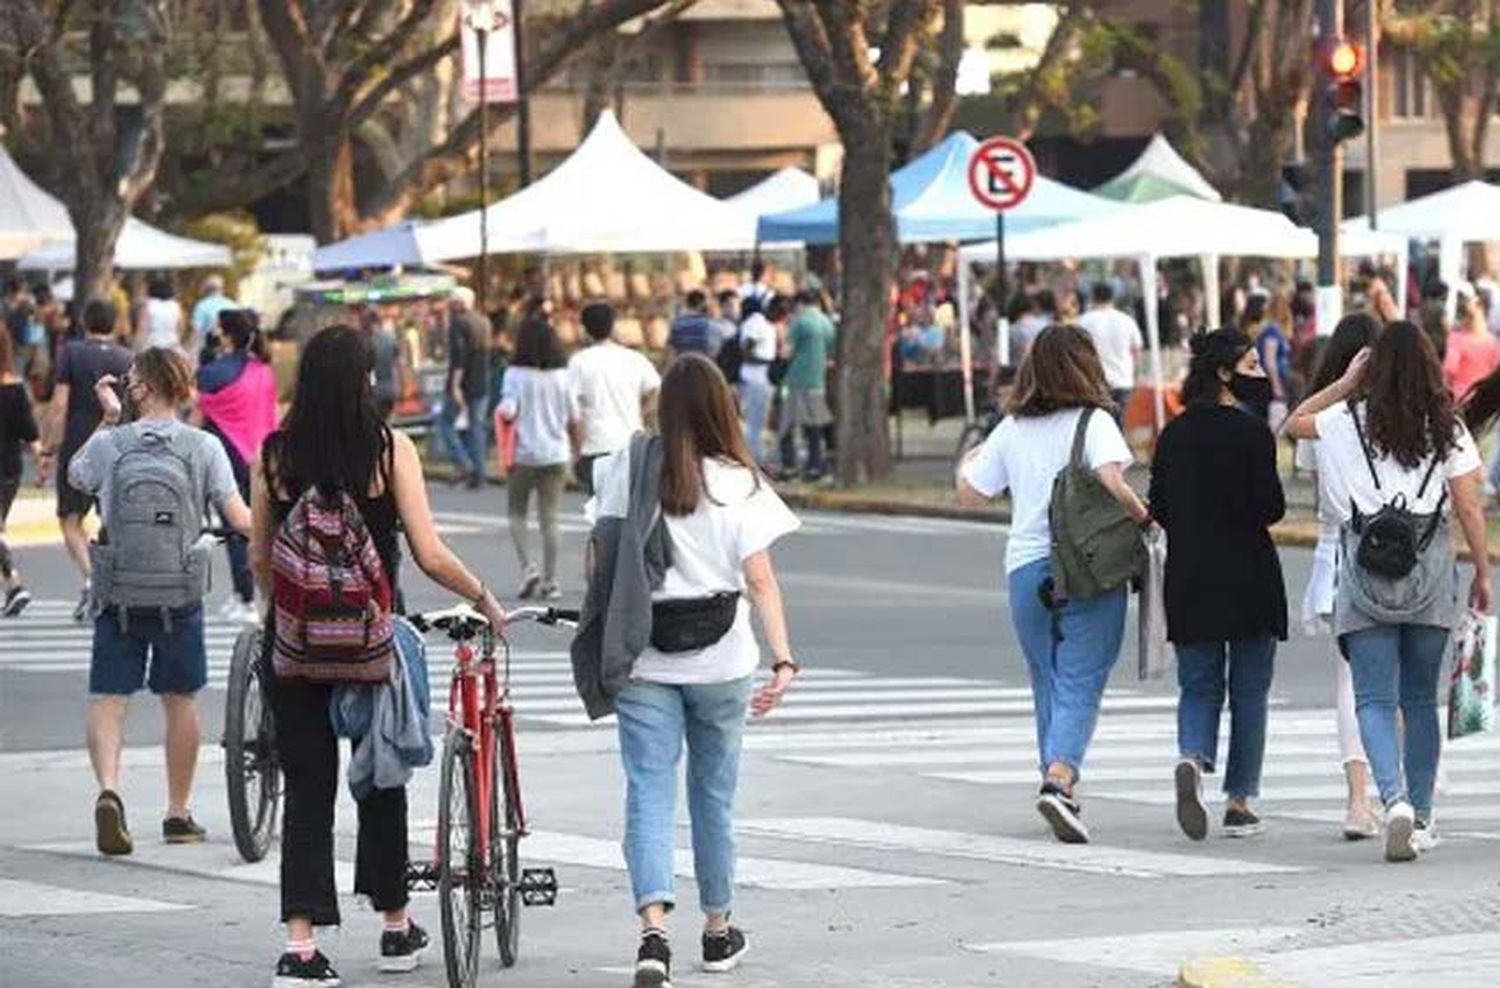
x,y
1067,676
1399,664
470,457
654,719
755,405
1201,679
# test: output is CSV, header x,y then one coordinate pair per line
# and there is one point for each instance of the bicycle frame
x,y
480,706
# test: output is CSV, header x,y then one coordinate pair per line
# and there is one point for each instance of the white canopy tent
x,y
410,243
141,247
1159,173
1467,213
1180,226
790,188
607,196
29,217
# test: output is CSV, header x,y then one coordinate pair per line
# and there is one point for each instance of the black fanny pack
x,y
689,624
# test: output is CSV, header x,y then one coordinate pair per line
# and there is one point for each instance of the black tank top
x,y
379,513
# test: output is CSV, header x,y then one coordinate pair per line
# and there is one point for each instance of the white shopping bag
x,y
1151,643
1471,688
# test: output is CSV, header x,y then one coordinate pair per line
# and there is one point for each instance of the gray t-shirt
x,y
93,466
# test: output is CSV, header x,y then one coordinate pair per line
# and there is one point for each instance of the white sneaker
x,y
1361,823
236,611
1424,837
1400,824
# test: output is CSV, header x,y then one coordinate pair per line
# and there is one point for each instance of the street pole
x,y
482,30
1330,177
523,96
1372,118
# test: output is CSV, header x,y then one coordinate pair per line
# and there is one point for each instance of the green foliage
x,y
236,230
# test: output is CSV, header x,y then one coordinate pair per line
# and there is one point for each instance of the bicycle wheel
x,y
460,872
505,847
251,770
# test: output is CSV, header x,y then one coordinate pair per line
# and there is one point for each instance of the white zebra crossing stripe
x,y
209,860
1320,792
1156,953
20,898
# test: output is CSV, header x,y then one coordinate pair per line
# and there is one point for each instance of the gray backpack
x,y
1096,545
153,555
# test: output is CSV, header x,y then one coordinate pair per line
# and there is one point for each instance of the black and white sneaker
x,y
292,971
1062,813
402,952
16,600
653,962
85,607
1192,816
1242,823
723,951
183,830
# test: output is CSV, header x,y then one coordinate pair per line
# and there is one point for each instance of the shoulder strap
x,y
1080,436
1364,447
1437,457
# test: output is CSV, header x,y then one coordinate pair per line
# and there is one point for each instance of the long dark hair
x,y
698,419
1409,411
242,330
1213,352
537,345
334,437
1353,333
1060,371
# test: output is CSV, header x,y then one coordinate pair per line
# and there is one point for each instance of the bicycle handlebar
x,y
463,621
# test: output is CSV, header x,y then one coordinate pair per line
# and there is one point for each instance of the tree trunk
x,y
99,222
331,206
867,251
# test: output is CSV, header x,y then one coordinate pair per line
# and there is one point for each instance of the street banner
x,y
496,81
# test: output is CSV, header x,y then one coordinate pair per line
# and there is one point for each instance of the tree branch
x,y
371,101
380,53
939,113
103,73
229,191
910,20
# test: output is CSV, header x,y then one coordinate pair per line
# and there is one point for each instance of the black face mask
x,y
1253,391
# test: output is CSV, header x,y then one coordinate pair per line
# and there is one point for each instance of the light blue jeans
x,y
1399,664
469,458
654,720
755,405
1201,679
1067,676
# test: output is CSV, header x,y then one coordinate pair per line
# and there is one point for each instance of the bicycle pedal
x,y
538,887
421,877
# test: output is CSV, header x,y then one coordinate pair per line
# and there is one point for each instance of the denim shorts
x,y
179,660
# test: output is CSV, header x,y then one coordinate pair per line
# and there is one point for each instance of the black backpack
x,y
1392,539
731,357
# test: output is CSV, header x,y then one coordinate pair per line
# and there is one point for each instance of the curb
x,y
1226,972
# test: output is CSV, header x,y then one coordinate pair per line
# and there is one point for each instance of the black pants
x,y
310,765
813,435
8,488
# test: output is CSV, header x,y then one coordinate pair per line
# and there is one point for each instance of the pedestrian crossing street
x,y
973,733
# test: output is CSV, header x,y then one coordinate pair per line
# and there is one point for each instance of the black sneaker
x,y
1192,817
16,600
724,951
653,962
402,952
1062,813
314,972
182,830
1242,823
111,835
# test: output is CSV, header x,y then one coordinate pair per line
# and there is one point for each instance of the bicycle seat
x,y
461,621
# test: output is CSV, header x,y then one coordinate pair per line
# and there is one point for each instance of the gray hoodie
x,y
631,555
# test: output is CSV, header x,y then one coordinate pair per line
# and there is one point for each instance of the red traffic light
x,y
1344,59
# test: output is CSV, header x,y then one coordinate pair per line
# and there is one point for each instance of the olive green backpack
x,y
1096,545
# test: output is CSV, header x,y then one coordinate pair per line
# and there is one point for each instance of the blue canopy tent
x,y
932,203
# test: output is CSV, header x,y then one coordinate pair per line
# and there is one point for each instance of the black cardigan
x,y
1215,489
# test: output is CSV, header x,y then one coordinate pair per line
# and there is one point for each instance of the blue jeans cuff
x,y
667,900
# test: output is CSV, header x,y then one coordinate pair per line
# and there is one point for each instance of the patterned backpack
x,y
331,595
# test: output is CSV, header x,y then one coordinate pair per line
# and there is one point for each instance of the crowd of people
x,y
1382,425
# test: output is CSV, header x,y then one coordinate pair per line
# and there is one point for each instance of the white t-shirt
x,y
758,339
538,402
607,383
1344,476
1025,455
741,516
1116,337
163,317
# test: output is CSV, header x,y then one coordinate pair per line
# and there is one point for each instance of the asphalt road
x,y
885,821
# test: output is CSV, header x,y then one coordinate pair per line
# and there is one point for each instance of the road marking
x,y
898,589
1156,953
1281,794
19,898
1458,960
1094,776
212,860
1089,858
766,873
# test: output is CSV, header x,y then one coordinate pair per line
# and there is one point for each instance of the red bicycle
x,y
476,867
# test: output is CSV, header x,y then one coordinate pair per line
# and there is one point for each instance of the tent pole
x,y
965,345
1214,307
1147,264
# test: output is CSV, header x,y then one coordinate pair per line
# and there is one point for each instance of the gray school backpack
x,y
1096,545
153,555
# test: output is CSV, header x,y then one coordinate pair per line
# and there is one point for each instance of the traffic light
x,y
1295,194
1344,89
